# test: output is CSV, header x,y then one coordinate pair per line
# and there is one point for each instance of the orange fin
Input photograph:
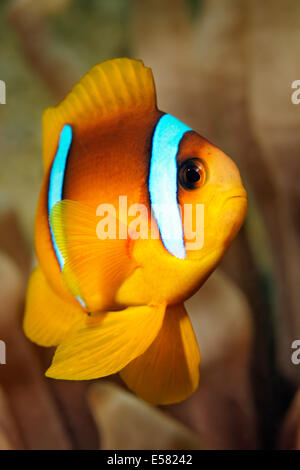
x,y
48,319
94,268
168,372
106,343
109,89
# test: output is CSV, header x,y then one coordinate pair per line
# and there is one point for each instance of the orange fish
x,y
135,211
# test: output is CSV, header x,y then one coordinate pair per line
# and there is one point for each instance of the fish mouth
x,y
238,196
233,213
230,216
235,193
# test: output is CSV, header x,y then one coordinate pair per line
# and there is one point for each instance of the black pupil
x,y
192,175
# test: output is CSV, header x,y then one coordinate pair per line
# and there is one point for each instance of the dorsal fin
x,y
109,89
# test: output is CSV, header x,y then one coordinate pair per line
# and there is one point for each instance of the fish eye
x,y
191,174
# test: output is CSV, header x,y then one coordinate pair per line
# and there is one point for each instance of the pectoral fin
x,y
93,268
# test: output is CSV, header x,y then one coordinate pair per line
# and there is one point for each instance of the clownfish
x,y
109,288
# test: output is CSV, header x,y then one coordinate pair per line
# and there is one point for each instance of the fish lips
x,y
232,214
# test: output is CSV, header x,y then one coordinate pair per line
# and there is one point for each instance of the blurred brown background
x,y
225,67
